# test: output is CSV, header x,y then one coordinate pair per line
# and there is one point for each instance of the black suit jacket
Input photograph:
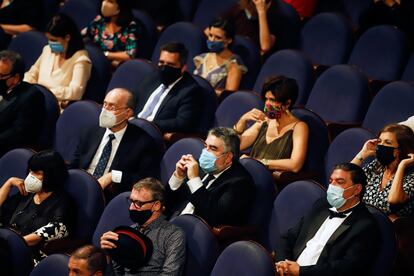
x,y
21,117
226,201
350,250
180,109
137,155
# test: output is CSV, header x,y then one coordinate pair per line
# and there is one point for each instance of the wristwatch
x,y
265,162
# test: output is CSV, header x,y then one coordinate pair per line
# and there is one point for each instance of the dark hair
x,y
176,47
62,25
226,25
282,88
125,15
154,186
16,60
53,167
230,139
405,138
357,175
95,258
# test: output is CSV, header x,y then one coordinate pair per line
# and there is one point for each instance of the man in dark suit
x,y
173,99
338,237
117,153
22,105
223,194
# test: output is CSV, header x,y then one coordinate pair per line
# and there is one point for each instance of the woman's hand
x,y
407,161
369,148
18,183
254,115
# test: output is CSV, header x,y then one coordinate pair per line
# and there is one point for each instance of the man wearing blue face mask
x,y
217,187
339,236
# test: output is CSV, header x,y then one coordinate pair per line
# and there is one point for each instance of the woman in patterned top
x,y
115,32
41,211
390,175
221,67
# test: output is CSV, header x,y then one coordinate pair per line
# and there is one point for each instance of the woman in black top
x,y
41,210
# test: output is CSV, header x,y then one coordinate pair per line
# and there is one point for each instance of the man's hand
x,y
105,180
192,167
105,240
180,169
287,267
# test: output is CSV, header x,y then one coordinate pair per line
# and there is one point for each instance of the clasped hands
x,y
287,267
187,166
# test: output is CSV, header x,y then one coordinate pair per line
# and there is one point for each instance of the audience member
x,y
145,209
117,153
257,20
221,67
64,66
87,261
221,192
17,16
339,236
390,175
171,100
41,211
22,105
115,31
279,140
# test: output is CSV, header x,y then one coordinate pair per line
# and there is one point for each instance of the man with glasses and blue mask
x,y
22,105
339,236
116,152
216,187
146,205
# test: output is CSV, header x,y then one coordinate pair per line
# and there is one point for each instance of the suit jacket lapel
x,y
9,99
123,148
94,144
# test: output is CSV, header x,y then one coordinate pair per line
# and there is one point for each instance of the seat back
x,y
244,258
387,253
292,64
187,9
250,54
130,73
74,120
115,214
408,74
356,10
14,164
344,148
152,130
392,104
88,198
82,12
100,74
318,141
20,254
327,39
234,106
289,25
149,36
285,215
381,52
186,33
209,105
340,95
35,39
202,247
192,146
55,264
208,10
47,132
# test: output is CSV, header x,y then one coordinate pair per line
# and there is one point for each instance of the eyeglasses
x,y
139,204
112,107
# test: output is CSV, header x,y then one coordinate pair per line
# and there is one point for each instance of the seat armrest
x,y
336,128
228,234
65,245
172,137
283,178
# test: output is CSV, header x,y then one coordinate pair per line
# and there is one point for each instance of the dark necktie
x,y
208,179
103,160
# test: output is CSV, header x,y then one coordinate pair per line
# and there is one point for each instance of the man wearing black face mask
x,y
172,99
21,105
146,204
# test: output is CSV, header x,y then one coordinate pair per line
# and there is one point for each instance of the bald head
x,y
122,96
121,103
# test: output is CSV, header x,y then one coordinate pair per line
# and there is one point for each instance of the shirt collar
x,y
118,135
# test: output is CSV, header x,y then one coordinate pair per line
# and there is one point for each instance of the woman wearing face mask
x,y
390,175
221,67
114,31
41,211
64,66
279,139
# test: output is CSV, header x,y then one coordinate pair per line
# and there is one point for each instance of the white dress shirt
x,y
157,106
116,175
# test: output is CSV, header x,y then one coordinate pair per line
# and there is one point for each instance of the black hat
x,y
133,249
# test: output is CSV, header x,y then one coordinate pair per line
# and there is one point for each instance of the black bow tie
x,y
333,214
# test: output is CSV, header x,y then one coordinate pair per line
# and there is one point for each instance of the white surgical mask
x,y
32,184
107,119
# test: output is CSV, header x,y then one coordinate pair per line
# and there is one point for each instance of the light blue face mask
x,y
56,47
335,197
207,161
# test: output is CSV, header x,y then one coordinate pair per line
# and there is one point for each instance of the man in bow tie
x,y
339,236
